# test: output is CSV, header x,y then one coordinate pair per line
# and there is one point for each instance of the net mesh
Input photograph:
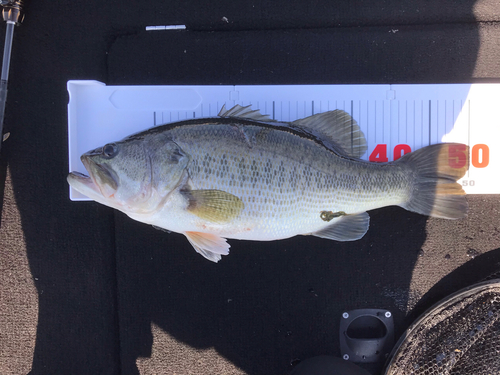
x,y
461,336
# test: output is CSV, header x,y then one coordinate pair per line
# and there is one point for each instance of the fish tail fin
x,y
436,169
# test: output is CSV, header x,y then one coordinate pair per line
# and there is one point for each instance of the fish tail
x,y
434,190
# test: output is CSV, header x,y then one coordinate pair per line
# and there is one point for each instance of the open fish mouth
x,y
104,178
83,183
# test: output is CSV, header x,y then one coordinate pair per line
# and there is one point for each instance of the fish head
x,y
133,175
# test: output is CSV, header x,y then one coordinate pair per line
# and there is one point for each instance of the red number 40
x,y
379,153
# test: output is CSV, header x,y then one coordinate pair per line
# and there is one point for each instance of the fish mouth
x,y
83,184
102,176
101,181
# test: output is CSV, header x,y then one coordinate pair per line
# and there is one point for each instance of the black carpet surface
x,y
86,290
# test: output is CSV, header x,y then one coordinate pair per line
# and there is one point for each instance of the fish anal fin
x,y
209,245
346,228
216,206
244,112
340,131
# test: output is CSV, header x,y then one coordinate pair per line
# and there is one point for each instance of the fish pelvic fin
x,y
338,129
436,169
346,228
209,245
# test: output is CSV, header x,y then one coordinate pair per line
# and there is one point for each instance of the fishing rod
x,y
13,15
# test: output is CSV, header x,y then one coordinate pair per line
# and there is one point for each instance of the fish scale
x,y
278,182
244,176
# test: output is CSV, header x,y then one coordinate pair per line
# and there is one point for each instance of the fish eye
x,y
109,150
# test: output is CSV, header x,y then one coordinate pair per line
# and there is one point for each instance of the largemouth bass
x,y
244,176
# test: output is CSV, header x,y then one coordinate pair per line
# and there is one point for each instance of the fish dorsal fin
x,y
339,129
216,206
244,112
208,245
346,228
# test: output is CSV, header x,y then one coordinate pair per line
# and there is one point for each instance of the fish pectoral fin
x,y
208,245
214,205
339,129
347,228
244,112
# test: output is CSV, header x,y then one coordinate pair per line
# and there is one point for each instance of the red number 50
x,y
480,156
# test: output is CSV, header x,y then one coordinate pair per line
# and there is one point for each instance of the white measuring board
x,y
394,118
